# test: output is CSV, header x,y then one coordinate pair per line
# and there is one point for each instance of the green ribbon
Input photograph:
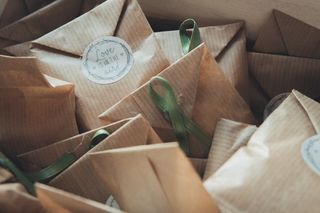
x,y
181,124
189,42
19,175
66,160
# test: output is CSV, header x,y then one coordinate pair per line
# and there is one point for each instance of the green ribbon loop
x,y
66,160
189,42
21,178
181,124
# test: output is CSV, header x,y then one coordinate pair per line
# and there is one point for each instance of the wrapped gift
x,y
278,170
227,44
78,178
35,111
55,200
37,18
199,87
107,53
152,178
229,136
286,56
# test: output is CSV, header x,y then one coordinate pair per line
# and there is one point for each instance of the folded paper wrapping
x,y
60,54
12,10
79,178
15,199
253,12
55,200
269,174
286,57
152,178
227,44
229,136
34,111
205,95
4,175
40,20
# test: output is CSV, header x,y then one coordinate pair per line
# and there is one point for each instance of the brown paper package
x,y
79,178
152,178
286,56
14,10
15,199
205,95
55,200
40,17
227,44
253,12
270,174
35,111
60,52
229,136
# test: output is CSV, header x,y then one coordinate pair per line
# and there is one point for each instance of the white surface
x,y
107,60
310,151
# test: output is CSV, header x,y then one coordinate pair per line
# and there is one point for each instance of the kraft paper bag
x,y
4,175
227,44
79,178
48,16
229,136
152,178
278,170
15,199
204,95
55,200
286,56
35,110
107,53
253,12
13,10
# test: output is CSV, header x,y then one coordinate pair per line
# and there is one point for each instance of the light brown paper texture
x,y
35,111
229,136
269,174
203,92
227,44
60,54
152,178
286,57
253,12
4,175
55,200
79,178
43,17
15,199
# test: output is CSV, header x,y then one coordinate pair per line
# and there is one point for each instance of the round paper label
x,y
112,202
107,60
310,151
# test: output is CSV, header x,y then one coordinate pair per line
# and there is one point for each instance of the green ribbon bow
x,y
20,176
181,124
189,42
51,171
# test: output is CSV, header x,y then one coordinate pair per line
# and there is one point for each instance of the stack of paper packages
x,y
99,113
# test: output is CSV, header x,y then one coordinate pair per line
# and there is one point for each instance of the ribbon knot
x,y
182,125
189,42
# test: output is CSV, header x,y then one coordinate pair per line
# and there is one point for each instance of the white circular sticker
x,y
310,151
112,202
107,60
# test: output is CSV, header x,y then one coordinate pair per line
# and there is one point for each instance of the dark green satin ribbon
x,y
189,42
181,124
19,175
66,160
